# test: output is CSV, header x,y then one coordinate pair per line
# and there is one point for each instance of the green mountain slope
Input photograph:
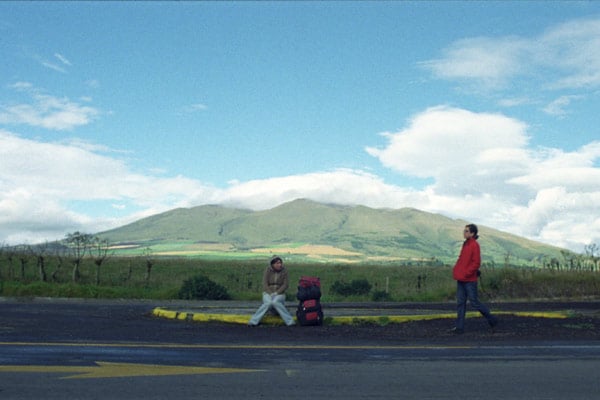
x,y
327,232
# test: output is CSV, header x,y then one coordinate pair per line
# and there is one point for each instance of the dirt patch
x,y
518,322
511,329
309,249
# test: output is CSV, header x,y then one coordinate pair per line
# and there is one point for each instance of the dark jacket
x,y
468,262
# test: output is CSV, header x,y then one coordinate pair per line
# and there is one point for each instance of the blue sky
x,y
486,111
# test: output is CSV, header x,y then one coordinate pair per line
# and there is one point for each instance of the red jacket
x,y
468,262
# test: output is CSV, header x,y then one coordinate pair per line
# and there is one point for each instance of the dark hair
x,y
275,259
473,229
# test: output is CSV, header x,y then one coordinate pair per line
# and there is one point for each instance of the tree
x,y
2,251
59,254
23,252
100,251
149,263
39,251
79,244
591,250
10,254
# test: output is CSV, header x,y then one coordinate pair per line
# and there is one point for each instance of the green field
x,y
127,277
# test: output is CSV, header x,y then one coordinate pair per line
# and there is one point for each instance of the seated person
x,y
275,283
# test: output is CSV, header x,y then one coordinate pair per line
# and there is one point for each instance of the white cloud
x,y
46,111
488,60
557,107
38,180
341,186
515,102
197,107
561,217
460,149
193,108
62,59
480,164
54,67
484,170
567,51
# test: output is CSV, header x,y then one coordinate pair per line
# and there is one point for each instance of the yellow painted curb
x,y
206,317
539,314
345,320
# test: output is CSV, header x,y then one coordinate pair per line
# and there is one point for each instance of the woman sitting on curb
x,y
275,283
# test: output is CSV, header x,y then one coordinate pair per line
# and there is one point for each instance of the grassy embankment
x,y
128,278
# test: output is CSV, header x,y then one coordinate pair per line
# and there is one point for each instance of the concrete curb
x,y
340,319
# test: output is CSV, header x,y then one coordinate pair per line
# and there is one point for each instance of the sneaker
x,y
457,331
493,321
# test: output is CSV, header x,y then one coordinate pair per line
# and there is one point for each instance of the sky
x,y
484,111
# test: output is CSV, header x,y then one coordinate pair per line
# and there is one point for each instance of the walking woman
x,y
465,273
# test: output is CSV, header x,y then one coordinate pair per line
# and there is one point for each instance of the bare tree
x,y
40,251
149,263
79,244
591,250
10,256
59,254
507,259
129,271
100,251
569,259
23,252
2,251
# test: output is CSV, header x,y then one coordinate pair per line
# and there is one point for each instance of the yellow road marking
x,y
119,370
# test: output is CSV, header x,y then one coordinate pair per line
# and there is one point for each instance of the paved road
x,y
117,349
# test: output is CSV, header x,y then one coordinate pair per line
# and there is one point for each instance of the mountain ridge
x,y
341,233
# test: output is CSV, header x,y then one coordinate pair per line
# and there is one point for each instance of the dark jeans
x,y
468,291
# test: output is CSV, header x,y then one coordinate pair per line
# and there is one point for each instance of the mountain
x,y
316,231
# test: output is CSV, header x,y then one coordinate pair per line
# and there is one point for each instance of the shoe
x,y
493,321
457,331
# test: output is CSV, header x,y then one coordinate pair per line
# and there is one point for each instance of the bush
x,y
357,287
202,288
381,295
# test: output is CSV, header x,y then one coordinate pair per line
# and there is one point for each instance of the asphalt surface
x,y
93,349
213,322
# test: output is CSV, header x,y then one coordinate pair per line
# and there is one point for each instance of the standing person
x,y
275,283
465,274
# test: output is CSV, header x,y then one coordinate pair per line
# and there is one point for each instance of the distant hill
x,y
316,231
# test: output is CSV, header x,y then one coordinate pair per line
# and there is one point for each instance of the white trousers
x,y
278,303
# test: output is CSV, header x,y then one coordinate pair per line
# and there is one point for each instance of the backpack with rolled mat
x,y
309,311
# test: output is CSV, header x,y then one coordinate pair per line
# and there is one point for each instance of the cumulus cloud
x,y
341,186
484,169
480,165
460,149
38,180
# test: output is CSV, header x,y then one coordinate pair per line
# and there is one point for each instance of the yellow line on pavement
x,y
119,370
